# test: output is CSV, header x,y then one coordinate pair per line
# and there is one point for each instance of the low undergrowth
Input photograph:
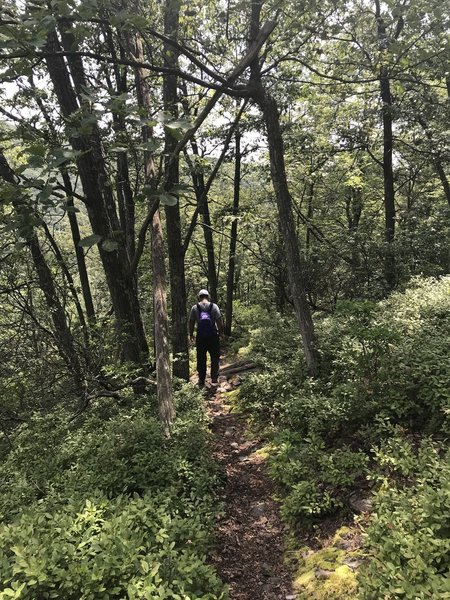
x,y
106,507
372,427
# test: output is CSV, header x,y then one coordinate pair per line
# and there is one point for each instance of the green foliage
x,y
139,547
107,507
408,534
388,360
384,382
318,480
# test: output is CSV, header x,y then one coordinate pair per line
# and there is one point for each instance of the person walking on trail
x,y
206,315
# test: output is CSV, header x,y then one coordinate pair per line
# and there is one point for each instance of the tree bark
x,y
294,263
81,263
162,352
233,235
388,181
203,208
125,196
163,379
390,270
68,275
101,209
62,334
437,161
309,214
180,345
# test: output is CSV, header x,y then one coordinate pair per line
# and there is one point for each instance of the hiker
x,y
206,315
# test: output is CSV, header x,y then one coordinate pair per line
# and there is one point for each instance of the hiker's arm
x,y
219,324
192,321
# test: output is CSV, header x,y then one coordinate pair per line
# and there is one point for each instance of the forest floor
x,y
249,551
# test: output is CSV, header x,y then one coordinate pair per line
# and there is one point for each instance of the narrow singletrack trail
x,y
250,535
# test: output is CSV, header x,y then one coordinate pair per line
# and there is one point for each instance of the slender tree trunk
x,y
162,351
73,221
101,210
68,275
125,196
79,253
62,334
294,263
203,208
233,235
180,345
309,214
163,379
443,178
390,270
437,161
388,179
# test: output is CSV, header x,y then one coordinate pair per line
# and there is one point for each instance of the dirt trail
x,y
250,535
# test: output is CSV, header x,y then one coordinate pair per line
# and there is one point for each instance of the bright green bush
x,y
106,507
317,480
140,547
384,365
394,355
408,536
109,449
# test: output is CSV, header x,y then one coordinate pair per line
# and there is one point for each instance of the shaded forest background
x,y
292,157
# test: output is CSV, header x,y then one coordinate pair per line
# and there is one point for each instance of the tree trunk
x,y
68,275
294,264
309,214
81,263
390,273
233,236
101,210
125,197
437,161
62,334
180,345
203,208
388,179
269,108
163,378
162,352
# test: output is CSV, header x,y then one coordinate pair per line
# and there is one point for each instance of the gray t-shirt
x,y
215,312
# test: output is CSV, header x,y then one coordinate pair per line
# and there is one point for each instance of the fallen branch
x,y
238,367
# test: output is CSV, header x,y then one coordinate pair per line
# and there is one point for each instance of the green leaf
x,y
180,188
167,199
71,209
90,241
178,128
150,146
109,245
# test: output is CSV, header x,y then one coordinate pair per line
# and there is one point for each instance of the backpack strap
x,y
200,309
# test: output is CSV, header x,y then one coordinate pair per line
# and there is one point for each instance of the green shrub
x,y
140,547
393,356
317,479
124,452
408,536
106,507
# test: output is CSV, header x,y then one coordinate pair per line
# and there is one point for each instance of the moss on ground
x,y
323,575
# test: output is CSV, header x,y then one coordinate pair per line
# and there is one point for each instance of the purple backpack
x,y
206,327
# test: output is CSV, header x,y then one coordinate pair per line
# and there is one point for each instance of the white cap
x,y
203,293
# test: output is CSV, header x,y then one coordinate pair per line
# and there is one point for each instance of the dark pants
x,y
211,345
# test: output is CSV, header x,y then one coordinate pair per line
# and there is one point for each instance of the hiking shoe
x,y
201,383
214,382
